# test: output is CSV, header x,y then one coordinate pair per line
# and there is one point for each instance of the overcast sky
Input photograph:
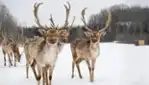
x,y
22,10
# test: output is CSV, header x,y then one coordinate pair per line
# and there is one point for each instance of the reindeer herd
x,y
41,52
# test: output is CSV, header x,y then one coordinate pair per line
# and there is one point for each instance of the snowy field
x,y
118,64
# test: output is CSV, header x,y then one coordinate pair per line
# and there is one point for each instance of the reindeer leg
x,y
4,57
28,61
10,63
44,75
73,66
15,60
92,70
74,55
50,75
4,60
39,73
27,69
11,58
38,77
78,67
89,67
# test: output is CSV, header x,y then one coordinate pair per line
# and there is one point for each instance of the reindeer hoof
x,y
38,78
72,76
10,65
91,81
81,77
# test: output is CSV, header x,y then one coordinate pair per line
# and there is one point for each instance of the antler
x,y
52,22
73,21
36,6
67,13
83,19
107,23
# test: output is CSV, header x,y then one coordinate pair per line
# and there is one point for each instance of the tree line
x,y
128,23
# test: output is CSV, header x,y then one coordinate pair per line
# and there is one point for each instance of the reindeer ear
x,y
42,31
88,34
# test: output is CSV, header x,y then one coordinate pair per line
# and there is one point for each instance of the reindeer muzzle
x,y
94,40
52,41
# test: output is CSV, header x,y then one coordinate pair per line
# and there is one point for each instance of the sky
x,y
22,10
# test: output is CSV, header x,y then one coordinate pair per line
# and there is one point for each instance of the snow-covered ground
x,y
118,64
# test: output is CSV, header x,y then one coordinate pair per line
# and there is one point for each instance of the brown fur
x,y
87,49
64,33
27,45
10,48
39,44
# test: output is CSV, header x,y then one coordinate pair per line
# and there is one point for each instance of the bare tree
x,y
9,27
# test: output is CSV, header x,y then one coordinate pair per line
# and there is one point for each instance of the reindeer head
x,y
95,36
64,30
50,34
54,33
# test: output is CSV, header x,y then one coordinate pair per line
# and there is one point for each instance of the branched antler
x,y
73,21
36,6
67,13
52,22
107,22
83,19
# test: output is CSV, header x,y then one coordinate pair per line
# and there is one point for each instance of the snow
x,y
118,64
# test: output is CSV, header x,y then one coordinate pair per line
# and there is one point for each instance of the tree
x,y
9,28
126,20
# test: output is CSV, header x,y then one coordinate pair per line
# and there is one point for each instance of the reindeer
x,y
43,51
87,49
10,48
64,30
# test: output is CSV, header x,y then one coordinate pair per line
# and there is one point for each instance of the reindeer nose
x,y
52,41
94,40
